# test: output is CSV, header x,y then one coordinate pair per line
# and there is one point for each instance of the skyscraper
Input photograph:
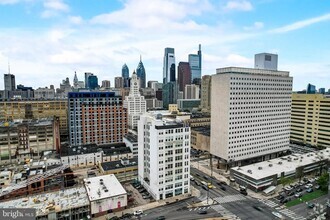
x,y
93,82
86,79
141,74
75,80
170,94
266,61
250,114
191,92
134,103
119,82
206,92
106,84
163,155
125,74
195,62
184,75
96,117
169,66
311,89
9,81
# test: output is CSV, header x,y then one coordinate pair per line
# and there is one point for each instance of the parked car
x,y
288,188
138,212
309,190
311,180
284,200
299,189
278,215
197,183
205,177
202,212
298,195
243,192
311,205
161,218
291,193
127,215
309,186
223,188
146,197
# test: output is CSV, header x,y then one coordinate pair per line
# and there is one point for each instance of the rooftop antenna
x,y
8,67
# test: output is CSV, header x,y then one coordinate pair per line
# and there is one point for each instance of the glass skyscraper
x,y
125,75
141,74
195,62
169,66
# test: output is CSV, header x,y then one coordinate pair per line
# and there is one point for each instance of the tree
x,y
323,182
284,181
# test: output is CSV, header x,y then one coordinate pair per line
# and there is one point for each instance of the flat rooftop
x,y
205,130
131,137
30,122
112,165
60,200
102,187
287,164
108,149
252,71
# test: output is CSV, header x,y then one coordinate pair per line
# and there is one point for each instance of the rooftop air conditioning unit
x,y
270,165
259,168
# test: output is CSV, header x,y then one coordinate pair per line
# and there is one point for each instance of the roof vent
x,y
279,162
270,165
249,171
259,168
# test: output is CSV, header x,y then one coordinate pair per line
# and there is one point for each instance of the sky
x,y
45,41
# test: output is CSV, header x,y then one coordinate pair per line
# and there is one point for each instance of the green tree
x,y
323,181
285,181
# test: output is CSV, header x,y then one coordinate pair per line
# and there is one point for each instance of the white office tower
x,y
266,61
134,103
163,155
250,114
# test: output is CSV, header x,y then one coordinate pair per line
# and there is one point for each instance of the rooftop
x,y
43,203
30,122
102,187
252,71
112,165
287,164
108,149
205,130
131,137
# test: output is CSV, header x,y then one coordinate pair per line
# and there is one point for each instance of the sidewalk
x,y
194,192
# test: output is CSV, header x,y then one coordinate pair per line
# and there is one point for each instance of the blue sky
x,y
47,40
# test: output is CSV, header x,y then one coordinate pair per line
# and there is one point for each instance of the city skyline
x,y
61,37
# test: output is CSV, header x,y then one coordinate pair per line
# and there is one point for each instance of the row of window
x,y
264,80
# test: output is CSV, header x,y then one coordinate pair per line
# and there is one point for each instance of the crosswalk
x,y
269,203
224,212
281,209
199,208
229,198
291,214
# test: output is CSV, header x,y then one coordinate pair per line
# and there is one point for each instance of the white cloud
x,y
256,26
75,19
57,5
158,14
238,5
301,24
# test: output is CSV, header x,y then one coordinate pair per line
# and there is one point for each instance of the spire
x,y
140,58
8,67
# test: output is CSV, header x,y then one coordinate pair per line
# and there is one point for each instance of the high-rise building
x,y
86,78
311,89
195,62
96,117
191,91
36,109
184,75
169,94
250,114
169,66
151,83
134,103
310,119
119,82
206,92
28,139
93,82
9,81
163,155
141,74
106,84
125,75
322,90
265,61
44,93
75,80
